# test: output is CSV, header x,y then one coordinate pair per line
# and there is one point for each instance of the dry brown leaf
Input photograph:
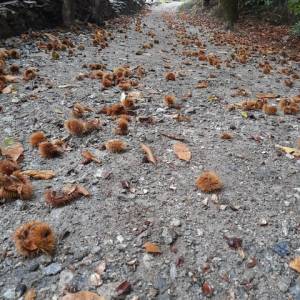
x,y
13,151
70,189
149,153
182,151
295,264
151,248
89,157
7,90
67,195
266,95
39,174
202,84
83,191
30,294
10,78
83,295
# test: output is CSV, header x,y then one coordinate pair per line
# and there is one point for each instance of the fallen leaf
x,y
213,98
251,263
8,89
295,264
289,150
13,151
39,174
30,294
89,157
202,84
149,153
151,248
266,95
124,288
83,191
207,289
67,195
83,295
234,242
244,114
10,78
182,151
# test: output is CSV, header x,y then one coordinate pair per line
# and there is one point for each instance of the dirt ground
x,y
259,202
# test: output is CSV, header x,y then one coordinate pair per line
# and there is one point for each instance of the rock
x,y
65,279
20,290
190,111
168,236
281,248
284,284
100,269
295,291
9,294
175,223
173,271
160,110
152,293
33,267
95,279
52,269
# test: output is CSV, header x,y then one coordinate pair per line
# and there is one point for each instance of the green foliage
x,y
296,29
294,6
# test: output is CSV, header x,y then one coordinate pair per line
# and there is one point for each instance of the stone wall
x,y
18,16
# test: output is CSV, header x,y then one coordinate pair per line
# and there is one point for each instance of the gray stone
x,y
65,279
52,269
284,284
9,294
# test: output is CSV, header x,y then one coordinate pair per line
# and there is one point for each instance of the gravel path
x,y
259,202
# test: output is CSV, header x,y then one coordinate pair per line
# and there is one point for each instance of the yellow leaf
x,y
244,114
83,295
39,174
213,98
149,153
182,151
55,55
295,264
289,150
151,248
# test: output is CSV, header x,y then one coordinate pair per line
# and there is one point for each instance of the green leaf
x,y
8,141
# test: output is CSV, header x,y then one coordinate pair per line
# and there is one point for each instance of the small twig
x,y
173,137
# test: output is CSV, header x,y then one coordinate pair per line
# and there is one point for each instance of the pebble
x,y
284,284
65,279
20,289
52,269
295,292
160,110
95,279
281,248
9,294
175,223
33,267
173,271
168,236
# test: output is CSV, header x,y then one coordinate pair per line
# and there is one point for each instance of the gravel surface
x,y
105,234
